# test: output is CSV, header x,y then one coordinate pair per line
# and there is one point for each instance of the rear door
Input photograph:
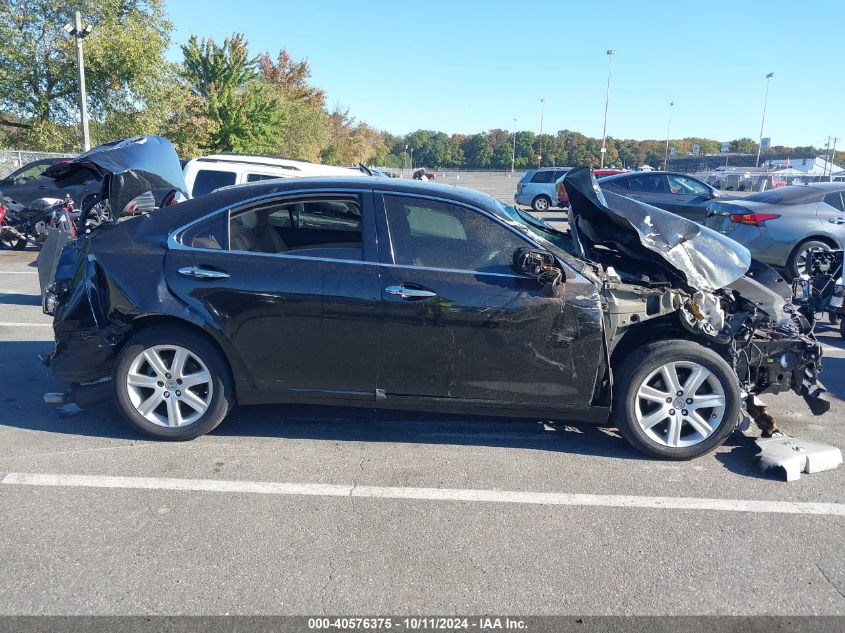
x,y
649,188
831,212
292,283
460,324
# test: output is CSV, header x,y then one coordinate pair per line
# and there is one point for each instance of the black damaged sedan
x,y
387,293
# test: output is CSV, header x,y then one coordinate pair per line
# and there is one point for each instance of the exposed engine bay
x,y
662,271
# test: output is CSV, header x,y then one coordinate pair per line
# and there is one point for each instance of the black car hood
x,y
134,166
707,260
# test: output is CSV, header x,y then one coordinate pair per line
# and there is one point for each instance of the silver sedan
x,y
781,226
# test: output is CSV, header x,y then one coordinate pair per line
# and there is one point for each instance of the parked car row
x,y
780,226
542,188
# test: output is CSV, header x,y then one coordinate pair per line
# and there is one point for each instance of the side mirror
x,y
539,264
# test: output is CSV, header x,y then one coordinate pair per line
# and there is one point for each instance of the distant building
x,y
817,166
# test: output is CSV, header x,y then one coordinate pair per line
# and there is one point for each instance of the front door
x,y
688,197
292,283
460,323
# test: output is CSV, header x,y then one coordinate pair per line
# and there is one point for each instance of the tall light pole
x,y
513,154
540,151
668,127
763,121
610,53
404,160
80,34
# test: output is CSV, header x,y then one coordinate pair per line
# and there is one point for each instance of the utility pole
x,y
668,127
610,53
540,152
513,154
833,155
763,122
80,34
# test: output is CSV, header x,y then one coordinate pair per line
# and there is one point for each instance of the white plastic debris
x,y
796,456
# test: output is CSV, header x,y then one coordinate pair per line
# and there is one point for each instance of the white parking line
x,y
14,324
426,494
18,272
830,350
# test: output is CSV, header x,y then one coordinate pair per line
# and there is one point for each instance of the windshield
x,y
796,194
537,228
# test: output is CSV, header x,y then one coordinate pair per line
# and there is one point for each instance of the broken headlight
x,y
53,294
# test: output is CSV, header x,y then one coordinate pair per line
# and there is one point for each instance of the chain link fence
x,y
12,159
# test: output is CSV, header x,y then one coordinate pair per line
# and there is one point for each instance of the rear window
x,y
797,194
207,181
544,176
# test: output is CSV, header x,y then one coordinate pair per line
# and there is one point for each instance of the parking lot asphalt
x,y
312,510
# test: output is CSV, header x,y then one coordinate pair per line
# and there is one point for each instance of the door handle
x,y
202,273
409,293
836,220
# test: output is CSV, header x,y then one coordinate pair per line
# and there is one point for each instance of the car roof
x,y
628,174
279,161
185,212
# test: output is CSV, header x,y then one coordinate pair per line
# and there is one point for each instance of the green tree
x,y
308,127
246,112
478,151
124,59
743,145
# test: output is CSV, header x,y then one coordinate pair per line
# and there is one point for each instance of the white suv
x,y
209,173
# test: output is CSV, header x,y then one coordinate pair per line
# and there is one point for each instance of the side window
x,y
210,233
258,177
208,180
835,200
434,234
309,227
619,183
31,172
647,184
543,176
686,186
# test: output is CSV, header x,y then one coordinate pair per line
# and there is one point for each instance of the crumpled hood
x,y
134,166
707,260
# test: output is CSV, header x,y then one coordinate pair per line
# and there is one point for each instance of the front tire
x,y
172,383
675,399
541,203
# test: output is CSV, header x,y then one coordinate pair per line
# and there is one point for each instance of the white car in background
x,y
209,173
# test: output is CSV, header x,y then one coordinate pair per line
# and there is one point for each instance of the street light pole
x,y
80,33
668,127
610,53
540,151
513,154
763,121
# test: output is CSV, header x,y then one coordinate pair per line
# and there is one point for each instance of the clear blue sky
x,y
472,66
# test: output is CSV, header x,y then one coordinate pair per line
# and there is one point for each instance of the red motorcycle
x,y
21,225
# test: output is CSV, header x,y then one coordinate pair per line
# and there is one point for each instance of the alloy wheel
x,y
169,385
541,204
803,260
680,404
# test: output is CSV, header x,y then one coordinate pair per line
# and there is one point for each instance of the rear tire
x,y
796,265
13,244
675,399
172,383
842,328
541,203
